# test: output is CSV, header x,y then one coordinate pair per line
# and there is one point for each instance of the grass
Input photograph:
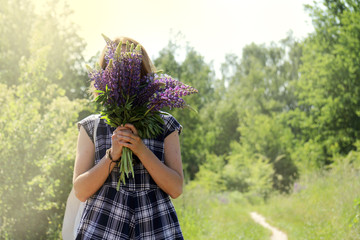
x,y
324,205
322,208
216,216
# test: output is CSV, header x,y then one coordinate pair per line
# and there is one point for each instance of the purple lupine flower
x,y
152,86
109,78
122,76
110,49
128,97
96,76
133,72
170,94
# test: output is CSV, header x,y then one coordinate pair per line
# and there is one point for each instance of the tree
x,y
328,91
39,139
52,28
259,93
38,120
15,16
166,61
195,72
265,74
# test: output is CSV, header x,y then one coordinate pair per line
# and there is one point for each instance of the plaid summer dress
x,y
140,209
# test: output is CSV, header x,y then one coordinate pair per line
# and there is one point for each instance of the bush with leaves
x,y
38,135
248,172
210,175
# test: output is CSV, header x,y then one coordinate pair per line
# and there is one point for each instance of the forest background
x,y
278,132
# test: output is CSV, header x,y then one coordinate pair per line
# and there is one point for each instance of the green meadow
x,y
217,216
324,205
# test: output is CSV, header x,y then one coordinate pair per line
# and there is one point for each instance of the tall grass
x,y
324,205
216,216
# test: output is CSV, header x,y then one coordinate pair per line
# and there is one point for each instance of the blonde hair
x,y
146,66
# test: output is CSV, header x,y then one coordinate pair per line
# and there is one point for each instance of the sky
x,y
213,27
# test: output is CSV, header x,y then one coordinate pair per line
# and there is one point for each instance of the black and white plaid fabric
x,y
140,209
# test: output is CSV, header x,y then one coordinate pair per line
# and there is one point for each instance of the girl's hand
x,y
131,139
117,141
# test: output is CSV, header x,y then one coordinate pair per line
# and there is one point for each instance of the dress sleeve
x,y
171,125
88,124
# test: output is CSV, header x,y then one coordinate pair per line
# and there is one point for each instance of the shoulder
x,y
170,123
91,117
88,124
88,121
168,118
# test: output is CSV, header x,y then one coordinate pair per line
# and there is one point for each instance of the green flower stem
x,y
151,109
148,110
125,166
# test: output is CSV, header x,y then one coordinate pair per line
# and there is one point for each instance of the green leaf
x,y
152,131
191,108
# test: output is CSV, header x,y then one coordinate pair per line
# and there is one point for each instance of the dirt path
x,y
276,233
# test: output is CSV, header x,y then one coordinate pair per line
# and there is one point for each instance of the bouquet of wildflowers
x,y
127,97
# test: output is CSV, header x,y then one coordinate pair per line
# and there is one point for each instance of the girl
x,y
142,208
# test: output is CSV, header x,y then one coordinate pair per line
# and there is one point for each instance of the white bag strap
x,y
82,204
74,207
96,124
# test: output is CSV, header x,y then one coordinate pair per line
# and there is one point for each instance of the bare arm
x,y
88,178
169,176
